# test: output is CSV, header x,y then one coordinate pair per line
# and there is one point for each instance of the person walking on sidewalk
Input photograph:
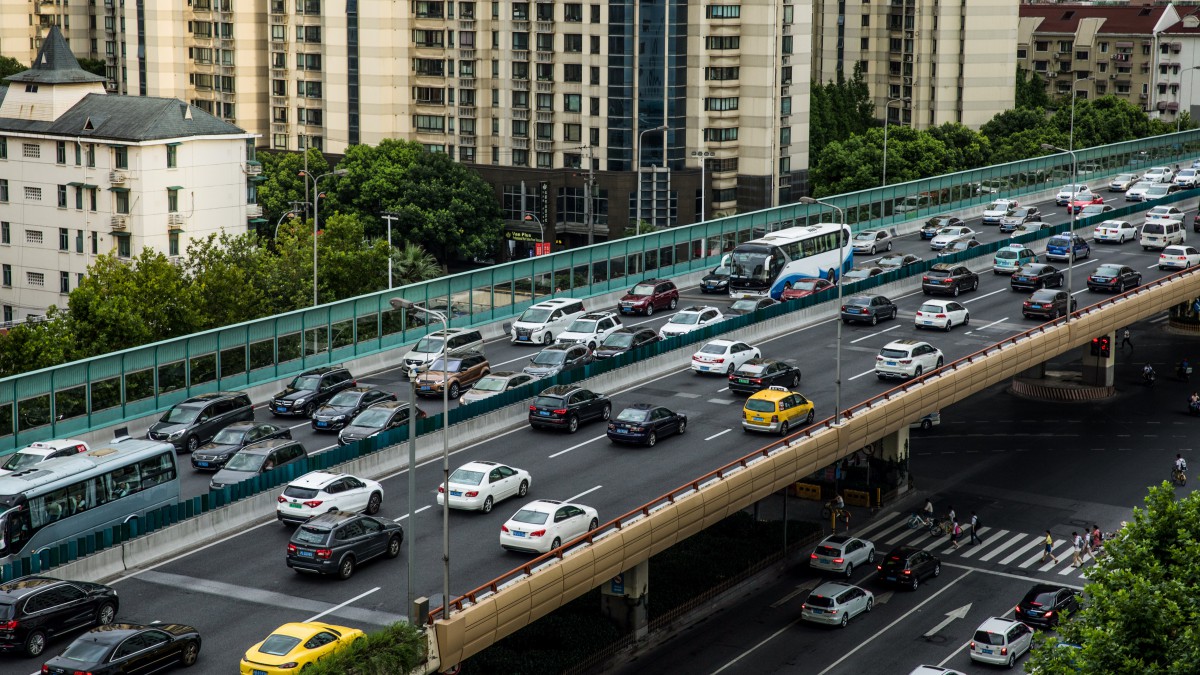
x,y
1087,544
975,529
1126,341
1077,544
1049,552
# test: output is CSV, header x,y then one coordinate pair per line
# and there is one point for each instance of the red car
x,y
1080,202
803,288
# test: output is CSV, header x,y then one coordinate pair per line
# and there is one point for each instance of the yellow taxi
x,y
295,645
776,410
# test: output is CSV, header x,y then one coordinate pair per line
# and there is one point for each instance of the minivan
x,y
540,323
194,421
430,347
1159,234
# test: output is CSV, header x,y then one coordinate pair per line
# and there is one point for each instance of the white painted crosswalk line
x,y
902,534
875,524
916,541
988,539
1002,547
1068,569
963,541
1037,542
1059,551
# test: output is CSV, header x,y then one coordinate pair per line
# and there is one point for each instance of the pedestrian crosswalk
x,y
1024,550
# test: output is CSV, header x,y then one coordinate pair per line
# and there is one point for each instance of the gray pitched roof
x,y
55,64
125,118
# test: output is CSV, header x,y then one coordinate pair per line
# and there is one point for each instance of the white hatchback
x,y
943,314
477,486
1001,641
1178,258
1165,213
545,524
723,357
320,492
1118,231
903,359
835,603
840,553
871,241
689,319
1159,174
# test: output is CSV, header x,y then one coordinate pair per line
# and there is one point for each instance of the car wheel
x,y
808,419
893,314
926,425
192,443
1012,660
393,547
929,292
682,427
872,250
455,390
606,412
650,308
795,381
975,285
916,581
35,643
105,614
310,408
524,489
937,569
874,319
556,543
889,246
846,322
732,367
191,652
373,503
918,371
849,570
548,338
783,428
966,319
346,568
845,620
947,326
1121,287
954,293
593,525
487,504
939,363
572,424
652,439
674,303
871,557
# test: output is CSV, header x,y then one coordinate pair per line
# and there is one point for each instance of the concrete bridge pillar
x,y
893,461
623,600
1098,370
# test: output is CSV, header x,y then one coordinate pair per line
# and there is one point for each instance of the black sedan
x,y
1116,278
716,281
931,226
1032,276
212,455
564,406
557,358
644,424
1045,604
121,648
345,405
1047,304
623,340
868,309
896,261
749,306
757,374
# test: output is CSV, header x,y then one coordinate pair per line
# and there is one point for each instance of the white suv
x,y
903,359
319,492
591,329
689,319
1070,193
39,452
1001,641
542,322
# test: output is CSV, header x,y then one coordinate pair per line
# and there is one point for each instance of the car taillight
x,y
9,625
972,645
908,571
325,553
289,665
756,380
504,528
813,556
941,316
1004,651
924,278
538,533
291,548
946,280
720,360
533,407
906,361
1017,609
473,493
312,504
774,418
281,499
441,489
879,568
1049,614
560,411
838,561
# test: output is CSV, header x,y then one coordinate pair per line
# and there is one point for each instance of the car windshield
x,y
181,415
466,477
642,289
893,353
86,652
1058,241
279,645
1006,254
1159,211
534,315
633,415
531,517
431,343
937,274
1107,271
852,274
685,318
751,369
986,638
582,326
20,460
1041,598
246,461
760,405
864,236
1043,296
490,383
714,349
311,535
1094,208
306,382
345,399
229,436
998,206
1142,185
1152,228
891,261
1030,270
1158,188
444,364
373,418
722,271
947,231
548,402
621,340
751,265
549,357
297,492
1123,178
858,302
931,308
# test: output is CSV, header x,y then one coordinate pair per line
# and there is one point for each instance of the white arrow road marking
x,y
960,613
802,588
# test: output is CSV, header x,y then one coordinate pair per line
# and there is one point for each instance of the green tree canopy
x,y
10,66
1142,602
1031,91
94,66
282,186
839,110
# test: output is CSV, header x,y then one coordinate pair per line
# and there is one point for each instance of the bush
x,y
395,650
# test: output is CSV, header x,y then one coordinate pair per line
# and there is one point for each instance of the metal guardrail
x,y
106,390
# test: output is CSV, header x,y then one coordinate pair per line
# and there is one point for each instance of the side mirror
x,y
507,327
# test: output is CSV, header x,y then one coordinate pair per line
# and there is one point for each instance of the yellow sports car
x,y
295,645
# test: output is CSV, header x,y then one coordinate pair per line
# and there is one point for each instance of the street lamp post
x,y
885,131
389,217
638,152
280,222
703,155
1071,210
1074,91
403,303
317,214
841,219
1179,113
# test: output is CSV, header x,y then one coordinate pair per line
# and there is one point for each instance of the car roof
x,y
724,343
836,539
936,301
307,629
558,346
542,505
906,342
330,519
1178,247
996,623
505,374
697,308
903,551
598,314
560,390
262,447
831,588
553,303
1042,588
242,424
1013,247
480,465
391,404
640,406
453,331
317,479
16,589
773,395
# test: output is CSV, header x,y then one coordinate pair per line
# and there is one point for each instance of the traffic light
x,y
1102,346
1095,346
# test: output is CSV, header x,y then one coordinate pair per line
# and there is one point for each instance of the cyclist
x,y
838,503
1180,465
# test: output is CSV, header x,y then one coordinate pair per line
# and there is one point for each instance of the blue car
x,y
644,424
1067,247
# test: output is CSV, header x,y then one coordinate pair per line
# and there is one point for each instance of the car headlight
x,y
175,435
301,400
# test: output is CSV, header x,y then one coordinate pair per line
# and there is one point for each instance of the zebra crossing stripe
x,y
1002,547
1037,541
877,523
985,541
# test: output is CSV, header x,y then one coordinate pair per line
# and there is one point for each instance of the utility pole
x,y
588,215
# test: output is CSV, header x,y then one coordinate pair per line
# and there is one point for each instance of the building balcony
x,y
520,26
120,222
466,24
466,54
279,19
254,210
545,87
466,141
117,177
279,101
520,55
544,146
252,168
466,82
544,26
468,112
545,116
174,221
520,114
545,57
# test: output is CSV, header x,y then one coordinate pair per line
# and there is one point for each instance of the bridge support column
x,y
623,600
1037,372
893,461
1099,371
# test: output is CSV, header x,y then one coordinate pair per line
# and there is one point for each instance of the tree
x,y
412,264
1031,91
438,203
226,273
94,66
1140,613
839,110
10,66
968,149
347,264
283,185
35,345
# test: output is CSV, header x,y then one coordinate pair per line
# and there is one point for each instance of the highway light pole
x,y
638,152
389,217
885,131
317,213
403,303
1179,113
1071,209
841,219
703,155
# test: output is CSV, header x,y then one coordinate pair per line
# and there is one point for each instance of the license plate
x,y
987,651
295,505
522,338
456,493
280,408
544,413
1022,278
621,431
518,533
742,380
260,672
425,387
758,419
889,363
817,611
891,578
322,424
927,323
201,463
306,554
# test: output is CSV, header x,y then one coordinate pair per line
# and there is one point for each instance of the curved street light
x,y
837,381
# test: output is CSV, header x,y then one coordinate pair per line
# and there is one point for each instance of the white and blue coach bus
x,y
764,266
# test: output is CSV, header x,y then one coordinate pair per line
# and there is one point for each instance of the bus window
x,y
124,481
157,470
14,530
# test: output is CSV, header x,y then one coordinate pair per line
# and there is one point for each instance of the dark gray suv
x,y
310,390
338,542
258,458
194,421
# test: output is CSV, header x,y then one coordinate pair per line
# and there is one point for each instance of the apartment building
x,y
83,173
926,62
1125,51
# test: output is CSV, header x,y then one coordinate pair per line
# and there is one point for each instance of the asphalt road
x,y
239,589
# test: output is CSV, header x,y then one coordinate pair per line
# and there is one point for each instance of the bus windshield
x,y
752,265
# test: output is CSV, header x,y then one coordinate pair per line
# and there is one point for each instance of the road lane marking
x,y
875,334
585,492
686,395
952,548
865,372
360,596
770,637
721,401
951,616
1007,575
1037,541
723,389
802,588
980,297
719,433
578,445
990,324
992,538
427,506
878,522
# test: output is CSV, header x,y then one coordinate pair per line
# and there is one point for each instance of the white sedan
x,y
871,241
1165,213
545,524
1119,231
1137,193
723,356
948,234
477,486
1178,257
944,314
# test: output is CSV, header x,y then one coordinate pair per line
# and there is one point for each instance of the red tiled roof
x,y
1117,20
1179,29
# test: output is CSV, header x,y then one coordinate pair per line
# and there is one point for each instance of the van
x,y
1159,234
194,421
540,323
431,346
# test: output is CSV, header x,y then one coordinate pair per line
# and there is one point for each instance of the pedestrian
x,y
952,517
955,533
975,529
1126,341
1049,552
1077,553
1087,545
1097,539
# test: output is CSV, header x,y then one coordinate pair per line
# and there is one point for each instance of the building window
x,y
1022,53
573,72
33,193
91,155
785,136
308,34
722,74
720,104
545,131
309,116
573,132
308,89
79,241
546,101
573,102
573,13
278,33
429,95
172,156
173,244
430,124
520,129
95,243
64,239
8,279
35,278
3,147
123,249
8,312
122,202
5,232
1041,46
723,11
721,135
92,199
60,152
3,189
722,42
593,44
279,88
573,43
520,157
785,105
121,160
545,72
520,41
429,38
308,61
172,200
595,14
31,150
64,282
545,160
